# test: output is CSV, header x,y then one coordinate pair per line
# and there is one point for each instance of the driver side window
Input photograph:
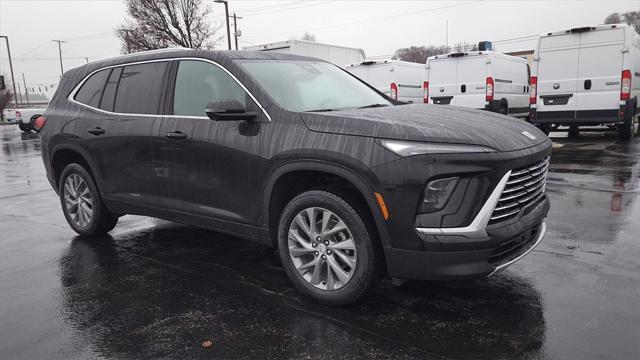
x,y
198,83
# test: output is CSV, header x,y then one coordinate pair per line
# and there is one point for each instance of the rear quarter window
x,y
91,91
140,88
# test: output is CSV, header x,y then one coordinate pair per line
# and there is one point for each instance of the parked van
x,y
339,55
401,80
479,79
586,76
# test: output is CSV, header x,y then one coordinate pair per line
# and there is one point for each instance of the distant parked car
x,y
400,80
298,154
24,117
480,80
586,76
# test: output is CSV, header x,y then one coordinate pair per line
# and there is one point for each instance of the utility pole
x,y
447,34
226,13
26,92
236,34
86,59
13,80
19,94
60,42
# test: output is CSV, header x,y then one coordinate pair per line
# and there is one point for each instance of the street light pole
x,y
226,12
60,42
13,80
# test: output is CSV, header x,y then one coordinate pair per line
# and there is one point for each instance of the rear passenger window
x,y
140,88
109,93
199,82
91,90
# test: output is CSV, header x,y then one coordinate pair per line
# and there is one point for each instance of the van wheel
x,y
504,109
626,129
326,248
545,128
81,203
574,131
24,127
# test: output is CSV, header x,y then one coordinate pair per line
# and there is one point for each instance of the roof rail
x,y
147,52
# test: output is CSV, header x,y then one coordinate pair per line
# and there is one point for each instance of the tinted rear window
x,y
109,93
91,90
140,88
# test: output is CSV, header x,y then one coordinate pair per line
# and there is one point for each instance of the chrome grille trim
x,y
525,186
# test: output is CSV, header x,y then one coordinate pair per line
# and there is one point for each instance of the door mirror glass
x,y
228,110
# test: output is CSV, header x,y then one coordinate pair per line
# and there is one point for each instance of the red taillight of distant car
x,y
625,85
425,92
394,91
533,90
489,89
39,123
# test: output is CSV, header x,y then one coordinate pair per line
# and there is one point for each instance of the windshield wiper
x,y
372,106
320,110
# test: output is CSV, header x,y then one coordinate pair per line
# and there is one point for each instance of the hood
x,y
432,123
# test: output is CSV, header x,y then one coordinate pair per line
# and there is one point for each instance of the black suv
x,y
298,154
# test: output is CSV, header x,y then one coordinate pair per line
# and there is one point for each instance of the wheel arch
x,y
64,154
365,192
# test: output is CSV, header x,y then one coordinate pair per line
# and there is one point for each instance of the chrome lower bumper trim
x,y
543,231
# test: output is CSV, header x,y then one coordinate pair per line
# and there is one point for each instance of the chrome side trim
x,y
543,231
479,224
72,95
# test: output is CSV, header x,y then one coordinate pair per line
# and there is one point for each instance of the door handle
x,y
97,131
176,135
587,84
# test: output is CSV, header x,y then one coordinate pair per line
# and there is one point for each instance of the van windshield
x,y
311,85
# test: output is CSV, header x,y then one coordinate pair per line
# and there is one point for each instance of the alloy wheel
x,y
322,248
78,201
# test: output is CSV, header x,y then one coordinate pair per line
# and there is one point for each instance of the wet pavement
x,y
155,289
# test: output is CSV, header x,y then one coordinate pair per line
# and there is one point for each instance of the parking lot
x,y
158,289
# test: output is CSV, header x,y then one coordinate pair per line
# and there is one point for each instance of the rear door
x,y
443,86
599,72
471,77
558,73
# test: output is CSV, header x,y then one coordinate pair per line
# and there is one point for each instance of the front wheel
x,y
81,203
327,249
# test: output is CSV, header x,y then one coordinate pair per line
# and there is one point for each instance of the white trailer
x,y
586,76
400,80
339,55
481,80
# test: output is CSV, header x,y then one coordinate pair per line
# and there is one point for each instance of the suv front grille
x,y
525,187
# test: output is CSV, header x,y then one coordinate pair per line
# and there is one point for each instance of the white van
x,y
586,76
479,79
339,55
400,80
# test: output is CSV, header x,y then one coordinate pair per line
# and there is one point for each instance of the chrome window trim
x,y
72,95
478,226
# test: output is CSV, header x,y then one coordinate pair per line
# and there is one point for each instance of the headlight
x,y
408,148
437,193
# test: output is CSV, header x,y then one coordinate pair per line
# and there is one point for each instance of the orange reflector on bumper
x,y
383,206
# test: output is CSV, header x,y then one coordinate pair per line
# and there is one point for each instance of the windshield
x,y
311,85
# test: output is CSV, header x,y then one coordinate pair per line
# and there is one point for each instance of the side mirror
x,y
228,110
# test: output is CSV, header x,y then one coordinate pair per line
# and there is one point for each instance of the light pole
x,y
13,80
226,17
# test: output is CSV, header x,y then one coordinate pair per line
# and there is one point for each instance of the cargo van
x,y
480,80
339,55
401,80
586,76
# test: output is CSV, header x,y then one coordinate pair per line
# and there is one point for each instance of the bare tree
x,y
156,24
419,54
308,37
630,17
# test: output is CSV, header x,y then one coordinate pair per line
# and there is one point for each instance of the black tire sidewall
x,y
365,272
93,228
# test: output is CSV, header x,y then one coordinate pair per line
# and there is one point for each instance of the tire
x,y
574,131
545,128
504,109
24,127
96,222
626,129
348,280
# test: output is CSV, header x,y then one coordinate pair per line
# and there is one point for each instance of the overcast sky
x,y
378,27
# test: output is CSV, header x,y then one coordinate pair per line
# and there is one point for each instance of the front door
x,y
208,167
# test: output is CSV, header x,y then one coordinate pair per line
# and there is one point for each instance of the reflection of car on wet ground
x,y
296,153
23,117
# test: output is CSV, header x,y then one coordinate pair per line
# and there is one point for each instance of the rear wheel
x,y
24,127
626,129
574,131
545,128
327,249
81,203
